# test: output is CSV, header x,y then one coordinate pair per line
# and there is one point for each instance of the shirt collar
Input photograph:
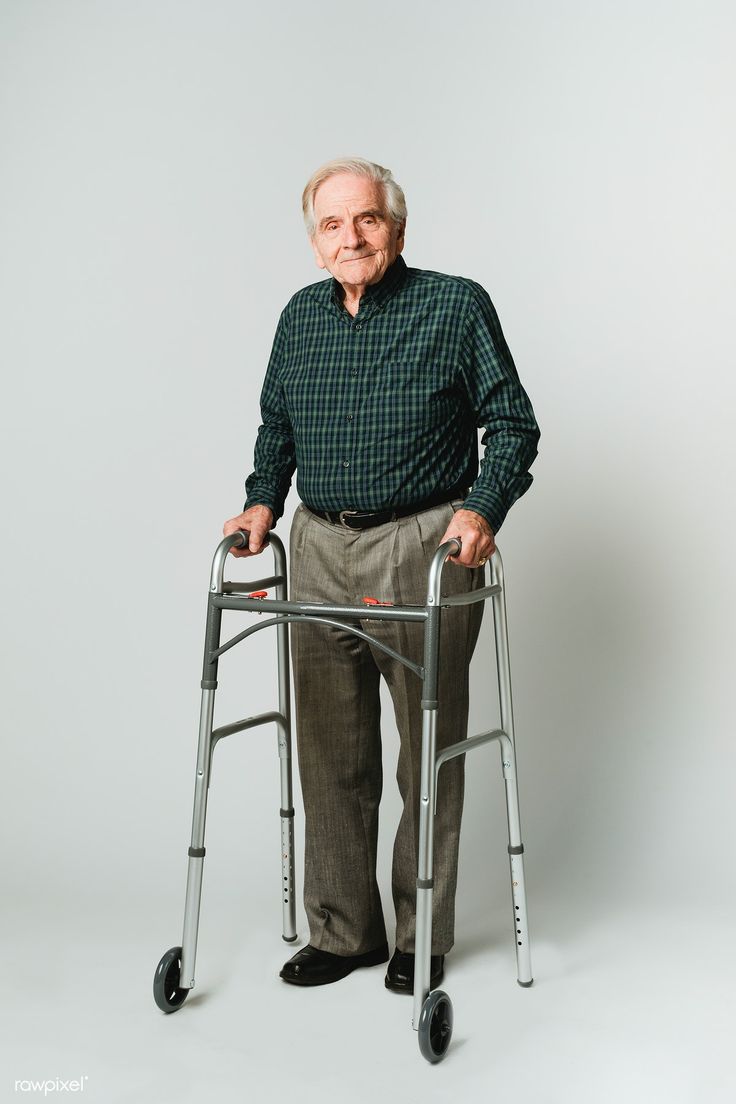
x,y
376,295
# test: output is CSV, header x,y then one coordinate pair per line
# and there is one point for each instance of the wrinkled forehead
x,y
347,190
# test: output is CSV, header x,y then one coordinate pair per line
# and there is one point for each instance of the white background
x,y
577,160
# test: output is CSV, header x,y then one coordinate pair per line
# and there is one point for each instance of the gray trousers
x,y
336,681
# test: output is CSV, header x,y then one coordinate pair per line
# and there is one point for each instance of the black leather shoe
x,y
310,966
400,973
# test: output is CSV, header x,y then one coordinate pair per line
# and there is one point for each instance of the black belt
x,y
366,519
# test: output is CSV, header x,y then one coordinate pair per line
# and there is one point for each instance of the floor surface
x,y
637,1007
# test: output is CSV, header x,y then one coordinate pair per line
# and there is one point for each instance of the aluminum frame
x,y
237,596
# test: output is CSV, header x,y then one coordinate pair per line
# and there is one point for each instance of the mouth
x,y
364,258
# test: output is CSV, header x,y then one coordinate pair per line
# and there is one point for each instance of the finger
x,y
229,529
462,557
474,553
454,536
240,549
468,553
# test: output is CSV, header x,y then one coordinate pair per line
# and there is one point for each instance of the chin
x,y
358,273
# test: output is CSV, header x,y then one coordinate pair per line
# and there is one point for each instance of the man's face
x,y
354,239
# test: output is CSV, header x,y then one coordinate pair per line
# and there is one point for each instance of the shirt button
x,y
353,371
358,326
349,417
346,463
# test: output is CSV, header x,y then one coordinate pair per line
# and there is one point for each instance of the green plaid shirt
x,y
382,409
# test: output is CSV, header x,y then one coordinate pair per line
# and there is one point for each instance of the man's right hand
x,y
258,521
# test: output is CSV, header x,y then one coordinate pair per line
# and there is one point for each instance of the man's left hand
x,y
476,535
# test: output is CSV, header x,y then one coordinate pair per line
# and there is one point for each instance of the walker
x,y
433,1014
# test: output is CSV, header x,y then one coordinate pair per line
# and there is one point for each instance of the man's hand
x,y
257,520
476,535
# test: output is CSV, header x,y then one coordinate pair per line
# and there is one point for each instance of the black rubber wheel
x,y
166,992
435,1026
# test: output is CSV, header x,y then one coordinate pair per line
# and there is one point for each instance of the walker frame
x,y
433,1013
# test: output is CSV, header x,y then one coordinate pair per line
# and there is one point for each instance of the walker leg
x,y
432,1011
508,759
425,863
201,786
423,936
288,883
197,849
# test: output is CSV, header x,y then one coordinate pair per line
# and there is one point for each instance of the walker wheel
x,y
166,992
435,1026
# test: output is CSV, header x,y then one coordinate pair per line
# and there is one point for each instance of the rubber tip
x,y
525,984
289,938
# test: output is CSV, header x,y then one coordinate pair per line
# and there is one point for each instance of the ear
x,y
400,236
317,256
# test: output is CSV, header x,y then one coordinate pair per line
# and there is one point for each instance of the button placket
x,y
357,357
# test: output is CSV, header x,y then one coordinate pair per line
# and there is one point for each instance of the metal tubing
x,y
468,596
247,722
194,871
236,540
450,548
425,869
253,584
224,596
241,726
211,640
288,880
284,618
508,758
423,936
460,749
321,609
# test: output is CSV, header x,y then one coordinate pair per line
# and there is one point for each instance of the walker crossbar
x,y
432,1017
257,584
248,722
462,747
323,609
415,667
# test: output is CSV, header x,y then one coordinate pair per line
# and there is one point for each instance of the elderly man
x,y
378,380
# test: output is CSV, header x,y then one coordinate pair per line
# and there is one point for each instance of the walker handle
x,y
434,577
244,534
239,539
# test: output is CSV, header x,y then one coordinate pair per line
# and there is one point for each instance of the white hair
x,y
392,193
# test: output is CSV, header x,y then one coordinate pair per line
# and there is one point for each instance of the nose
x,y
351,237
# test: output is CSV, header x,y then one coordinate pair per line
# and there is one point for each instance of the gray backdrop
x,y
576,159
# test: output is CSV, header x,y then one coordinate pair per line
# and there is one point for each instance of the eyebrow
x,y
336,218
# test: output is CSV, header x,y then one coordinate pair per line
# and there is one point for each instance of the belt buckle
x,y
341,515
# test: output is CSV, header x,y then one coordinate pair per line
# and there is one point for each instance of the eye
x,y
369,219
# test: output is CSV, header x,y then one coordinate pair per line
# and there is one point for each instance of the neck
x,y
352,296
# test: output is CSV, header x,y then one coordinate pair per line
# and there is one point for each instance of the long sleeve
x,y
274,457
500,405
